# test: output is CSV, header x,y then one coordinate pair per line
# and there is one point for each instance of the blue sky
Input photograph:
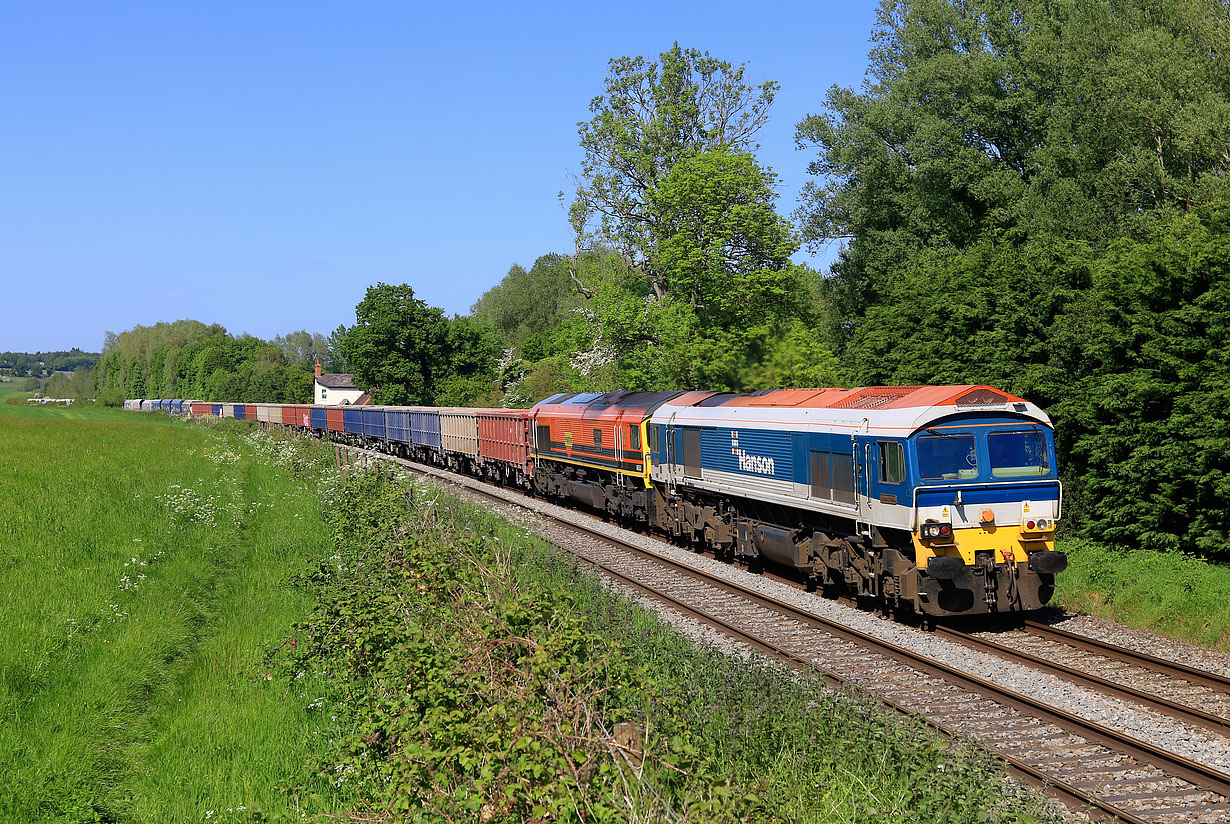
x,y
260,164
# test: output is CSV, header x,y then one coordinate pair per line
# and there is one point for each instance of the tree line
x,y
190,359
45,364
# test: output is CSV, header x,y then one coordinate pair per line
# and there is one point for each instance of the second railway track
x,y
1084,762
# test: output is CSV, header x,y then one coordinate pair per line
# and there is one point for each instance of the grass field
x,y
1169,593
9,389
144,564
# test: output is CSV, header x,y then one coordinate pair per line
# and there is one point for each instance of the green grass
x,y
9,389
137,617
1165,592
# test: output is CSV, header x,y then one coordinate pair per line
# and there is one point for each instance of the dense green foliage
x,y
409,353
144,565
531,304
78,384
1034,197
187,359
485,677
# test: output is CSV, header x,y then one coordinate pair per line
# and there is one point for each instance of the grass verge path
x,y
142,582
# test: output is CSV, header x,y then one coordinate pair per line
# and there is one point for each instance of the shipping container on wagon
x,y
249,411
199,408
303,416
397,424
177,407
262,412
275,413
316,417
459,432
291,416
146,406
352,420
425,427
504,436
239,412
215,409
373,421
333,418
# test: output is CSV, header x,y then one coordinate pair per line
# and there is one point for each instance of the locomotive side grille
x,y
982,397
874,397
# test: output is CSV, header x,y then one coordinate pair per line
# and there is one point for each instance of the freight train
x,y
935,501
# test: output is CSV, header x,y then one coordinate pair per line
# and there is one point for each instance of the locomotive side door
x,y
862,482
671,459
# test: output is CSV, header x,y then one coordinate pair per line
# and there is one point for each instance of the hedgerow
x,y
484,676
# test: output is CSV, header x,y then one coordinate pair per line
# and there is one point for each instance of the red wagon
x,y
504,444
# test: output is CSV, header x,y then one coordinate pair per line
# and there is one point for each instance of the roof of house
x,y
336,381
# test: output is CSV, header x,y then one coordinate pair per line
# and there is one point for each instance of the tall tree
x,y
653,115
396,345
1071,120
1032,195
671,184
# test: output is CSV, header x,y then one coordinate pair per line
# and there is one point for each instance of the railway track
x,y
1191,695
1084,763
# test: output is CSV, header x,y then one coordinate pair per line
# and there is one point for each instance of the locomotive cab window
x,y
1018,454
892,463
655,438
634,437
947,457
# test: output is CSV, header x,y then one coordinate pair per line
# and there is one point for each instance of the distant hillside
x,y
44,364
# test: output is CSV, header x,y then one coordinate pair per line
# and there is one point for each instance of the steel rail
x,y
1204,678
1207,720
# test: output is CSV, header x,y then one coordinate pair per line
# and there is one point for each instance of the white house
x,y
333,389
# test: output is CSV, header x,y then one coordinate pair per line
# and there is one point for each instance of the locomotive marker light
x,y
932,529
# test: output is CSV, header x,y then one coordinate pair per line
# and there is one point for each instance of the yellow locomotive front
x,y
986,502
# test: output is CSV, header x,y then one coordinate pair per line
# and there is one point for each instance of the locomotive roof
x,y
888,410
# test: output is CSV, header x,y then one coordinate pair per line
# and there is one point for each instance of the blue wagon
x,y
397,425
352,420
425,428
317,418
373,422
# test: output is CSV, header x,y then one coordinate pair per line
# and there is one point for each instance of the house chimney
x,y
318,367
